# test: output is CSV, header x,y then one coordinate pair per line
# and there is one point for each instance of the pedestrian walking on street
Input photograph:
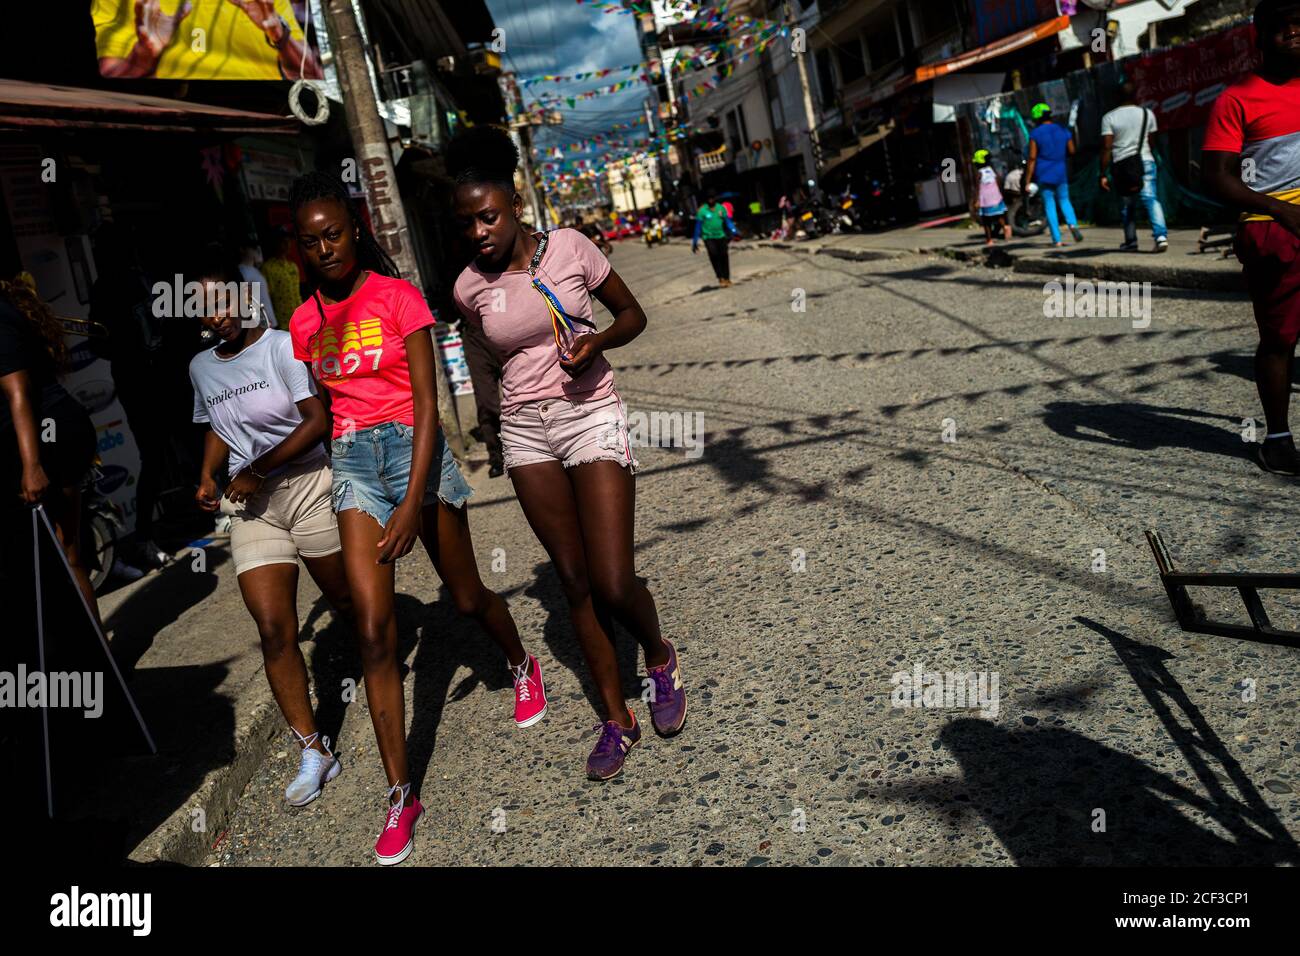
x,y
1050,145
992,207
564,430
266,427
47,441
1252,164
366,333
1127,154
713,224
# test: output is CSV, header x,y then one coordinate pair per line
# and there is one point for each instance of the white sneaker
x,y
314,771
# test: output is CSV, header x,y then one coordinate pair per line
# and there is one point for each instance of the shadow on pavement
x,y
1145,427
1040,789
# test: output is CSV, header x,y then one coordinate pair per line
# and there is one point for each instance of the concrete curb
x,y
855,255
1165,274
175,840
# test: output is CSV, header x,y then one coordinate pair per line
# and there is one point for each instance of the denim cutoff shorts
x,y
373,465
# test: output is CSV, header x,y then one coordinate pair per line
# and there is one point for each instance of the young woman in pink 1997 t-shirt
x,y
564,432
366,336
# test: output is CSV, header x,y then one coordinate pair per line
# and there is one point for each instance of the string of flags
x,y
589,75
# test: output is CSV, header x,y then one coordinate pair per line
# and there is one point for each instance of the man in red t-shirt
x,y
1252,163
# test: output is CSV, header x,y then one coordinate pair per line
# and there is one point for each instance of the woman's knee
x,y
574,582
614,589
376,641
279,637
471,600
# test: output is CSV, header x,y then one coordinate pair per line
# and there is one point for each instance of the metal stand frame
x,y
1191,617
39,511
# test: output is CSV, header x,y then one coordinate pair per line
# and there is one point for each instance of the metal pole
x,y
809,114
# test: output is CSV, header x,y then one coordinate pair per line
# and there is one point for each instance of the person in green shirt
x,y
714,225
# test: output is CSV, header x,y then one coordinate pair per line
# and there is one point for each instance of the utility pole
x,y
379,177
521,128
799,58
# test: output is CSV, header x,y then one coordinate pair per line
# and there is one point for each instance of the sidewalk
x,y
1097,257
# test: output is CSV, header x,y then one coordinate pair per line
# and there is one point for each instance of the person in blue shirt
x,y
713,224
1049,147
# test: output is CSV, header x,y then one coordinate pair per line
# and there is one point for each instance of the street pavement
x,y
919,473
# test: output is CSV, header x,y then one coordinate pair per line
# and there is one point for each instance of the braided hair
x,y
21,294
318,185
483,155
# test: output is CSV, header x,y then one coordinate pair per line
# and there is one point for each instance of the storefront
x,y
89,176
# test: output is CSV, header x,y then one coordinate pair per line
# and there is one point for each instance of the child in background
x,y
992,207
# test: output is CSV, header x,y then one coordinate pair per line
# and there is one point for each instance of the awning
x,y
997,48
1015,41
38,105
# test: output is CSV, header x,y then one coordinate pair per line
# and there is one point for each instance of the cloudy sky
x,y
564,37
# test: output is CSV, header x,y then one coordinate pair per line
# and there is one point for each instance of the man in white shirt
x,y
250,258
1121,130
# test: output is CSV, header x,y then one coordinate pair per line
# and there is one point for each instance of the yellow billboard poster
x,y
204,39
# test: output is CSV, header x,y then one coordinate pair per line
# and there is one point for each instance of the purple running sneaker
x,y
607,758
668,699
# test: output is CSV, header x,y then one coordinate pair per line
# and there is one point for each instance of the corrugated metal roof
x,y
27,105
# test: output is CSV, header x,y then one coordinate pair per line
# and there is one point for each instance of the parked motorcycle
x,y
1025,210
850,213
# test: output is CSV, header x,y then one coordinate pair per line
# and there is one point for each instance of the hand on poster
x,y
262,13
155,29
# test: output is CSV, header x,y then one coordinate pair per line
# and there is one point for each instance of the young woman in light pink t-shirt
x,y
564,432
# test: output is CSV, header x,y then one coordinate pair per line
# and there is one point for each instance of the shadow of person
x,y
1244,813
336,672
1054,797
1144,427
449,641
558,635
159,603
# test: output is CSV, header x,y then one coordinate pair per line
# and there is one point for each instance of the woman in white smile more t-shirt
x,y
267,425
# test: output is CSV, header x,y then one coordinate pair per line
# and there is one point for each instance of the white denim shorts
x,y
572,432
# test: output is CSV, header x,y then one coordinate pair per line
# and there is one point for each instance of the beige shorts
x,y
289,516
570,432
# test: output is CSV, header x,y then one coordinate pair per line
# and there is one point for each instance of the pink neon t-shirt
x,y
514,318
359,352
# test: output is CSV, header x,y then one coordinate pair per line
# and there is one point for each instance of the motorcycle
x,y
654,233
1025,210
849,216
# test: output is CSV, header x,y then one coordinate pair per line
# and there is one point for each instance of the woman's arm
x,y
404,525
310,431
1033,161
629,322
215,454
17,389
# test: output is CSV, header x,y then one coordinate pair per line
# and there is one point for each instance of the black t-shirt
x,y
23,349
